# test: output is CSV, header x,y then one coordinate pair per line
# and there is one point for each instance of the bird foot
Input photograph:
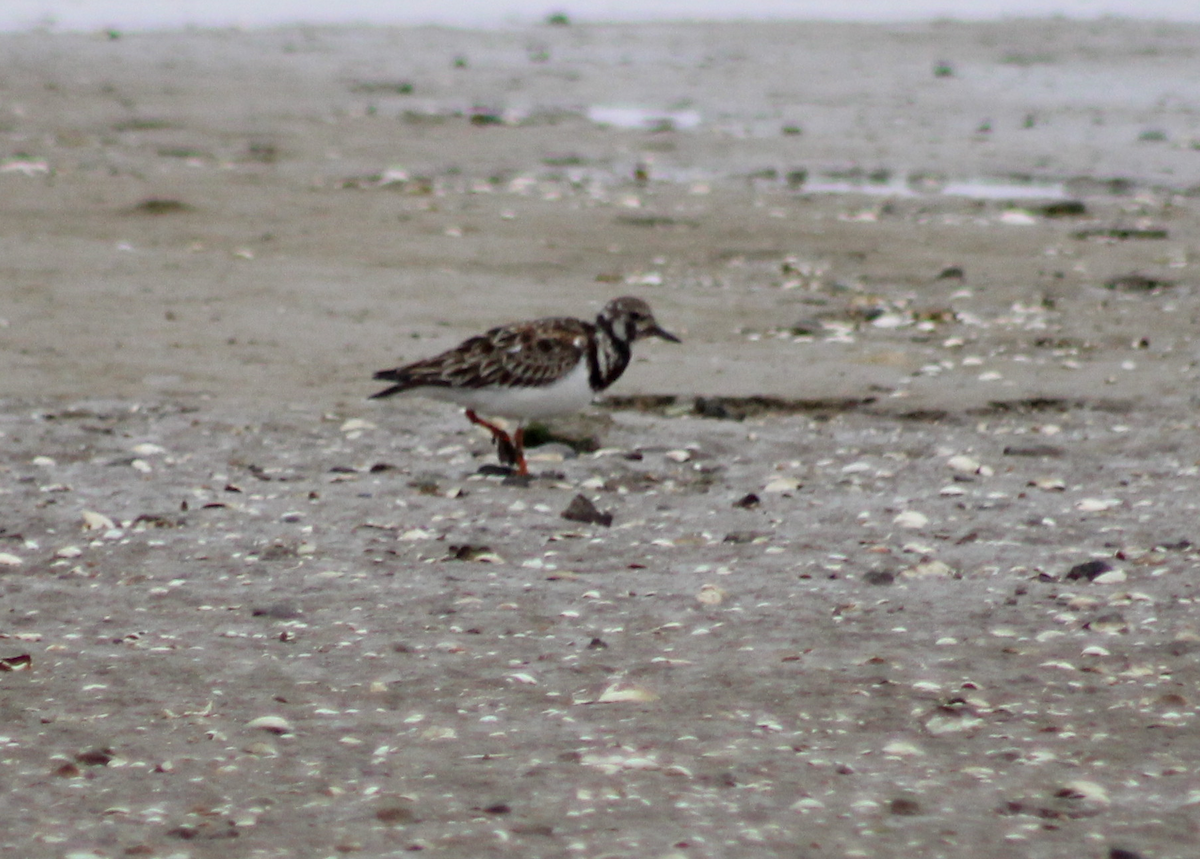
x,y
509,449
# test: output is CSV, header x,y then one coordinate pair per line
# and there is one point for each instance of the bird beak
x,y
665,335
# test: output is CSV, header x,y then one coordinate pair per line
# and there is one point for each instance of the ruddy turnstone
x,y
530,370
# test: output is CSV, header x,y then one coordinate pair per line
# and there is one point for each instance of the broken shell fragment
x,y
911,519
780,485
711,595
1089,792
1097,505
439,732
929,570
93,521
966,465
902,749
625,693
273,724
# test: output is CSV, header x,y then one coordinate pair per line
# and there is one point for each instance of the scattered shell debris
x,y
901,557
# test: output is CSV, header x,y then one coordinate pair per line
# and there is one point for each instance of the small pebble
x,y
1087,571
582,510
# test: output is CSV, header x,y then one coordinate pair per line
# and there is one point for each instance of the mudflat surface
x,y
903,542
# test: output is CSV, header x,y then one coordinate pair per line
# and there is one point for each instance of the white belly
x,y
569,394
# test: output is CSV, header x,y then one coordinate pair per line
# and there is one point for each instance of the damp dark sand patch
x,y
740,408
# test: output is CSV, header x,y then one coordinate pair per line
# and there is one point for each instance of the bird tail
x,y
403,383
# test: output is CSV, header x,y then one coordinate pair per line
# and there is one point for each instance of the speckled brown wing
x,y
524,354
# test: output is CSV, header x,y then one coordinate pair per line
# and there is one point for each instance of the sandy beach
x,y
903,547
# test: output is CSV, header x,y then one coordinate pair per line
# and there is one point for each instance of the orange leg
x,y
519,450
510,450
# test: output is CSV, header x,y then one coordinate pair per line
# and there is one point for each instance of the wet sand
x,y
937,290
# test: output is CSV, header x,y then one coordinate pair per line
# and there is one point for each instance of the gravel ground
x,y
895,554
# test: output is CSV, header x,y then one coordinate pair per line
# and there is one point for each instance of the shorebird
x,y
530,370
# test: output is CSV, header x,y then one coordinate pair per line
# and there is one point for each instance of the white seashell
x,y
1089,791
807,804
1017,218
945,724
624,693
890,320
711,595
1059,664
45,461
439,733
963,464
929,570
678,455
911,519
902,749
93,521
356,425
1112,577
68,552
147,449
274,724
1097,505
779,485
7,559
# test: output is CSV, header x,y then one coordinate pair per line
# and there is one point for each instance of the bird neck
x,y
608,355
